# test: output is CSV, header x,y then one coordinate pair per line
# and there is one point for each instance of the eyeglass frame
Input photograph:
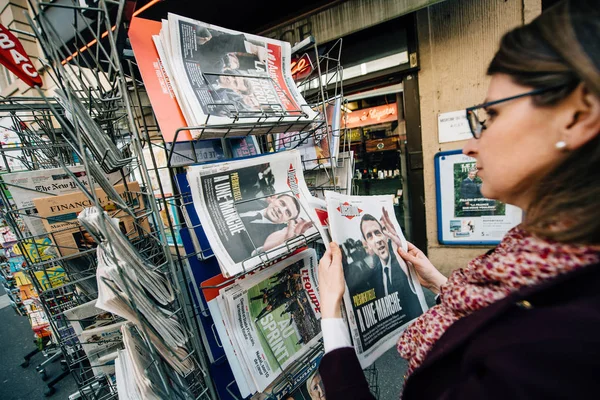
x,y
492,103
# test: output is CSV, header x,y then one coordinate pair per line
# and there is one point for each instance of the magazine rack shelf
x,y
97,121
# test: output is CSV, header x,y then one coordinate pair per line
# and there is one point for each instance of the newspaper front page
x,y
231,75
275,316
383,295
27,185
60,213
253,210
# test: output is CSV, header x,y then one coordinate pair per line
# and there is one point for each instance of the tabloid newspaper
x,y
253,210
233,77
320,146
60,213
383,295
27,185
273,317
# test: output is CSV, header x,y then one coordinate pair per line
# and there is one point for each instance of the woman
x,y
522,321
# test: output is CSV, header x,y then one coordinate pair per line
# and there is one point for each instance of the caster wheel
x,y
43,375
49,392
25,364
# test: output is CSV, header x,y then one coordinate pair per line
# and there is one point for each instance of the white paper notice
x,y
453,126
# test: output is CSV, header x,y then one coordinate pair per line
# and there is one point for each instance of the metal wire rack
x,y
98,117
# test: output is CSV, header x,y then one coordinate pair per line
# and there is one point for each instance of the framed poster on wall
x,y
464,216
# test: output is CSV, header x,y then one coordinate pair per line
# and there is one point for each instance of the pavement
x,y
16,339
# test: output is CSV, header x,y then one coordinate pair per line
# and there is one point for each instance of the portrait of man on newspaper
x,y
273,220
218,51
375,268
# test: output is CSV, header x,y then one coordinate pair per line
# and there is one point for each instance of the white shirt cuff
x,y
335,334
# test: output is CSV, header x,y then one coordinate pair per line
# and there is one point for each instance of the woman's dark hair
x,y
560,48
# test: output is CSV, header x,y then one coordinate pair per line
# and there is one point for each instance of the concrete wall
x,y
457,40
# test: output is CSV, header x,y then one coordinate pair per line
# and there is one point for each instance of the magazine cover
x,y
276,316
383,295
253,206
59,215
28,185
228,74
317,148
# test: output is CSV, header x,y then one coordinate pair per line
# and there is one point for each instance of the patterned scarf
x,y
519,260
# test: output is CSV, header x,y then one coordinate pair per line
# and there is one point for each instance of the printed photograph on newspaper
x,y
225,73
277,316
383,293
253,210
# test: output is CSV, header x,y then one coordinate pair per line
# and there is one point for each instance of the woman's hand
x,y
429,276
331,282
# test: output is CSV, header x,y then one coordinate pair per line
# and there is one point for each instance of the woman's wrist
x,y
437,283
331,310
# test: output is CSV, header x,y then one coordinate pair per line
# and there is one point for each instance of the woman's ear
x,y
584,125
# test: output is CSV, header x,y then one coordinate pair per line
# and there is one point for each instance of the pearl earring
x,y
562,145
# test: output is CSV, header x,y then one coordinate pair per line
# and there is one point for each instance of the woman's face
x,y
517,148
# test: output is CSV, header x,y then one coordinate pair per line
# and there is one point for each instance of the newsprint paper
x,y
273,317
383,295
221,76
253,210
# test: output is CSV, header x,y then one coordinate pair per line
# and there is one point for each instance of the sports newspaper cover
x,y
273,317
253,210
383,295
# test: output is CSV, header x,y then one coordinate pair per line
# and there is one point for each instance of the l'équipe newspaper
x,y
383,295
273,317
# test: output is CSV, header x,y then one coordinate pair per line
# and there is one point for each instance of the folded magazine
x,y
253,210
383,295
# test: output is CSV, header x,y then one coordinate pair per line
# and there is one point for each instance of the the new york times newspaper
x,y
228,74
383,294
275,316
253,210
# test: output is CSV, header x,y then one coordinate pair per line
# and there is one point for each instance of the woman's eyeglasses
x,y
478,115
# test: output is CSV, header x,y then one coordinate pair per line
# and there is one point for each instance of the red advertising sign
x,y
372,116
14,57
301,67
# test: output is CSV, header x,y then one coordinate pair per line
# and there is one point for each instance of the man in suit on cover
x,y
388,275
272,221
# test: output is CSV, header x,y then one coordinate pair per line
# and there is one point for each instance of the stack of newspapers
x,y
222,77
132,288
269,320
254,210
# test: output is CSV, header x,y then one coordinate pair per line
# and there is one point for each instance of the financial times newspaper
x,y
253,210
228,74
274,316
383,295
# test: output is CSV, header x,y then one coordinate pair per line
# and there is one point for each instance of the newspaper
x,y
253,210
320,146
221,76
98,333
59,215
274,316
27,185
383,295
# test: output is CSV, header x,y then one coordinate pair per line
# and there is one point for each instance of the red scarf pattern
x,y
519,260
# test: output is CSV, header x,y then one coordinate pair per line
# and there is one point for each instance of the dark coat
x,y
258,232
542,342
408,300
469,189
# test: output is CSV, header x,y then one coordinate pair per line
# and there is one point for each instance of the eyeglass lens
x,y
477,119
